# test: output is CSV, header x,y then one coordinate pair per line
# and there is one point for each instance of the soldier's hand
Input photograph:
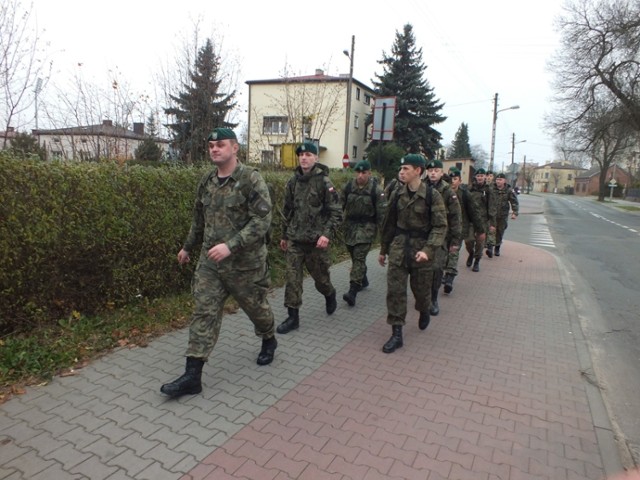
x,y
454,248
323,242
284,245
492,229
513,216
218,252
382,260
421,257
183,257
481,237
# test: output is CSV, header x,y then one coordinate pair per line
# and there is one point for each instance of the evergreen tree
x,y
148,149
460,147
24,145
201,107
417,108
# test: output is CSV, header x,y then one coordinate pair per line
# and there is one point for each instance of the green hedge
x,y
89,236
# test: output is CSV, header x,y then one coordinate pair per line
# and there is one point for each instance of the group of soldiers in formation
x,y
423,217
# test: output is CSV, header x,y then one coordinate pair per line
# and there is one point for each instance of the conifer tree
x,y
417,108
460,147
200,107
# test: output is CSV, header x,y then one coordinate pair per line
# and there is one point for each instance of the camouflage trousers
x,y
474,247
211,288
317,262
358,254
451,263
498,235
420,280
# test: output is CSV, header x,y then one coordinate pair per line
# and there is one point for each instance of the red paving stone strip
x,y
476,396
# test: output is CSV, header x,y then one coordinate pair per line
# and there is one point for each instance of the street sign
x,y
384,118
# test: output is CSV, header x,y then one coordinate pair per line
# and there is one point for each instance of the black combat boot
x,y
189,383
395,341
269,345
497,251
292,322
470,260
330,303
490,251
365,282
476,265
435,309
447,281
350,296
423,321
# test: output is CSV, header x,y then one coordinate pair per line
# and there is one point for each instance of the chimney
x,y
319,72
138,127
107,123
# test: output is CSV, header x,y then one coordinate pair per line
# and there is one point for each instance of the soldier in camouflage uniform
x,y
413,229
311,217
363,202
482,193
505,198
472,227
453,238
491,236
231,215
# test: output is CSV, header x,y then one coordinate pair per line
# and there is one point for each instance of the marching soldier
x,y
505,198
482,193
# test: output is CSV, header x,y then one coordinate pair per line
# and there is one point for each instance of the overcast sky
x,y
472,50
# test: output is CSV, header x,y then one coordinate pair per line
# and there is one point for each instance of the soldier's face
x,y
363,177
307,160
501,182
455,182
489,178
222,151
435,174
409,173
480,178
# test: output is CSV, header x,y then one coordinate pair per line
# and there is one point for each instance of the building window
x,y
354,152
268,156
56,140
307,123
367,99
356,121
56,154
84,140
459,165
569,177
546,175
275,126
357,93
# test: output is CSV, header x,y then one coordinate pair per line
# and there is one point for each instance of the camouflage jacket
x,y
454,214
506,198
311,206
485,197
364,209
233,213
471,212
413,223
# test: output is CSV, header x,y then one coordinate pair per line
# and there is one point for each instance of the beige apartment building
x,y
556,177
286,111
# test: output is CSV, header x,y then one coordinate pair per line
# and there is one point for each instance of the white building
x,y
286,111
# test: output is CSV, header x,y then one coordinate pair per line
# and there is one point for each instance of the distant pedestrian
x,y
453,237
482,193
413,229
473,227
311,216
231,216
364,203
506,200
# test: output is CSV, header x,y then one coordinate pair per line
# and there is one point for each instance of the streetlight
x,y
345,157
493,130
36,91
513,147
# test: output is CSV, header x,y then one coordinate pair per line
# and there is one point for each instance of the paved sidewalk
x,y
496,388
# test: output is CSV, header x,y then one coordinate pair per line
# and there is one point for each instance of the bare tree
x,y
22,63
598,61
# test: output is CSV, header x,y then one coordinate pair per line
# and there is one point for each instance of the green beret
x,y
434,164
414,159
307,147
501,175
221,134
481,171
454,172
489,172
362,166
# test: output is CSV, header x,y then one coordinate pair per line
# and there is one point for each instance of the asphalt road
x,y
598,246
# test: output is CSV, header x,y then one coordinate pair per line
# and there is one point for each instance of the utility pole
x,y
347,120
493,130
